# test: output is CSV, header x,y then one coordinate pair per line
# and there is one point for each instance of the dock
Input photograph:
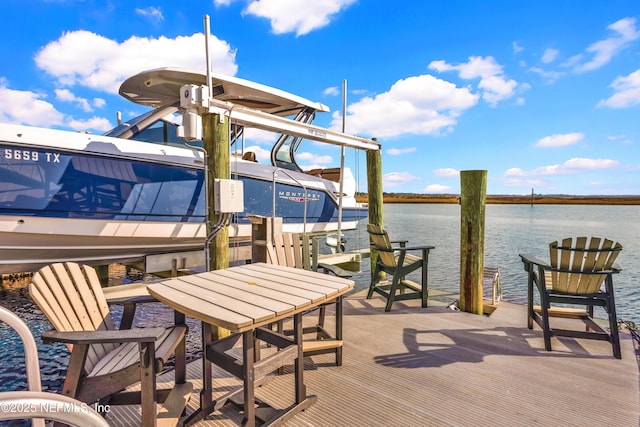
x,y
436,367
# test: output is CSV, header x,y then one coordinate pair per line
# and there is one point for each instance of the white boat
x,y
138,190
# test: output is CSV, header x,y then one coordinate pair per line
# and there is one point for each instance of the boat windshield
x,y
160,126
284,150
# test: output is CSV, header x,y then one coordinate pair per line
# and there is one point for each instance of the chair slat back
x,y
290,250
71,297
380,240
579,259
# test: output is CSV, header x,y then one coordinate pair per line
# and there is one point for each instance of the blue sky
x,y
542,94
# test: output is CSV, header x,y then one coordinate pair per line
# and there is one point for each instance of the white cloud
x,y
419,105
314,158
331,91
447,172
622,139
559,140
394,179
30,108
97,123
549,55
603,51
519,182
67,96
299,16
154,14
550,76
398,151
493,82
99,102
516,47
26,107
259,135
91,60
437,189
571,166
627,92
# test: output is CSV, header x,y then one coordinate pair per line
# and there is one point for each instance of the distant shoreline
x,y
510,199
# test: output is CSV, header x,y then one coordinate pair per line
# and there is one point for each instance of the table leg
x,y
301,391
339,313
207,374
181,352
248,357
206,393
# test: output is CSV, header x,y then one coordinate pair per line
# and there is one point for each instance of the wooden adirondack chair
x,y
397,262
575,275
300,251
104,360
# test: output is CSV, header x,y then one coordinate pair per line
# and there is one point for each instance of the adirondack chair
x,y
575,275
397,262
300,251
33,403
104,360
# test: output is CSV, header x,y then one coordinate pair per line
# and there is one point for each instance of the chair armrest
x,y
530,259
103,337
413,248
125,294
340,272
401,242
50,406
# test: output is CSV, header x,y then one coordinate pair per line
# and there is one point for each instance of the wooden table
x,y
245,299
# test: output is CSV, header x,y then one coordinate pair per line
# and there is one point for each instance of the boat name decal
x,y
298,196
28,155
317,133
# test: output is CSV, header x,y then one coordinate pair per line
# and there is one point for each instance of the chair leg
x,y
425,281
613,319
375,278
530,300
339,315
148,384
546,328
322,313
392,293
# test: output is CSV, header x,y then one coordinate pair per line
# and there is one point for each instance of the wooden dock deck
x,y
437,367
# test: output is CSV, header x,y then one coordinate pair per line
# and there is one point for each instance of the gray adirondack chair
x,y
105,360
395,260
579,273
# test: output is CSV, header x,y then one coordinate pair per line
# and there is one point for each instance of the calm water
x,y
509,230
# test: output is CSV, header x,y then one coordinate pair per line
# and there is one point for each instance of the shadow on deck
x,y
434,366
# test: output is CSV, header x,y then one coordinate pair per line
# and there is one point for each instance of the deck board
x,y
433,366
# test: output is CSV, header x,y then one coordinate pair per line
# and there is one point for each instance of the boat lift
x,y
196,100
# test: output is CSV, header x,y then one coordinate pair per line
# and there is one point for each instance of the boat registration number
x,y
28,155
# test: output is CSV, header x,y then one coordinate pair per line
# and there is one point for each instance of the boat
x,y
138,189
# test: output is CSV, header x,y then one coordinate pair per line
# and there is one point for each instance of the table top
x,y
245,297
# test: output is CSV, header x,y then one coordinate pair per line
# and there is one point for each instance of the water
x,y
509,231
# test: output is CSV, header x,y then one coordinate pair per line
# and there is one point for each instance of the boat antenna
x,y
342,153
206,46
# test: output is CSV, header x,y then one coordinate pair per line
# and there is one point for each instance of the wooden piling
x,y
374,188
215,130
473,189
215,138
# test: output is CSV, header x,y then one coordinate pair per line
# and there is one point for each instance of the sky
x,y
544,95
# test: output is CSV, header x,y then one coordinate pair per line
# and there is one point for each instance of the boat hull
x,y
28,243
